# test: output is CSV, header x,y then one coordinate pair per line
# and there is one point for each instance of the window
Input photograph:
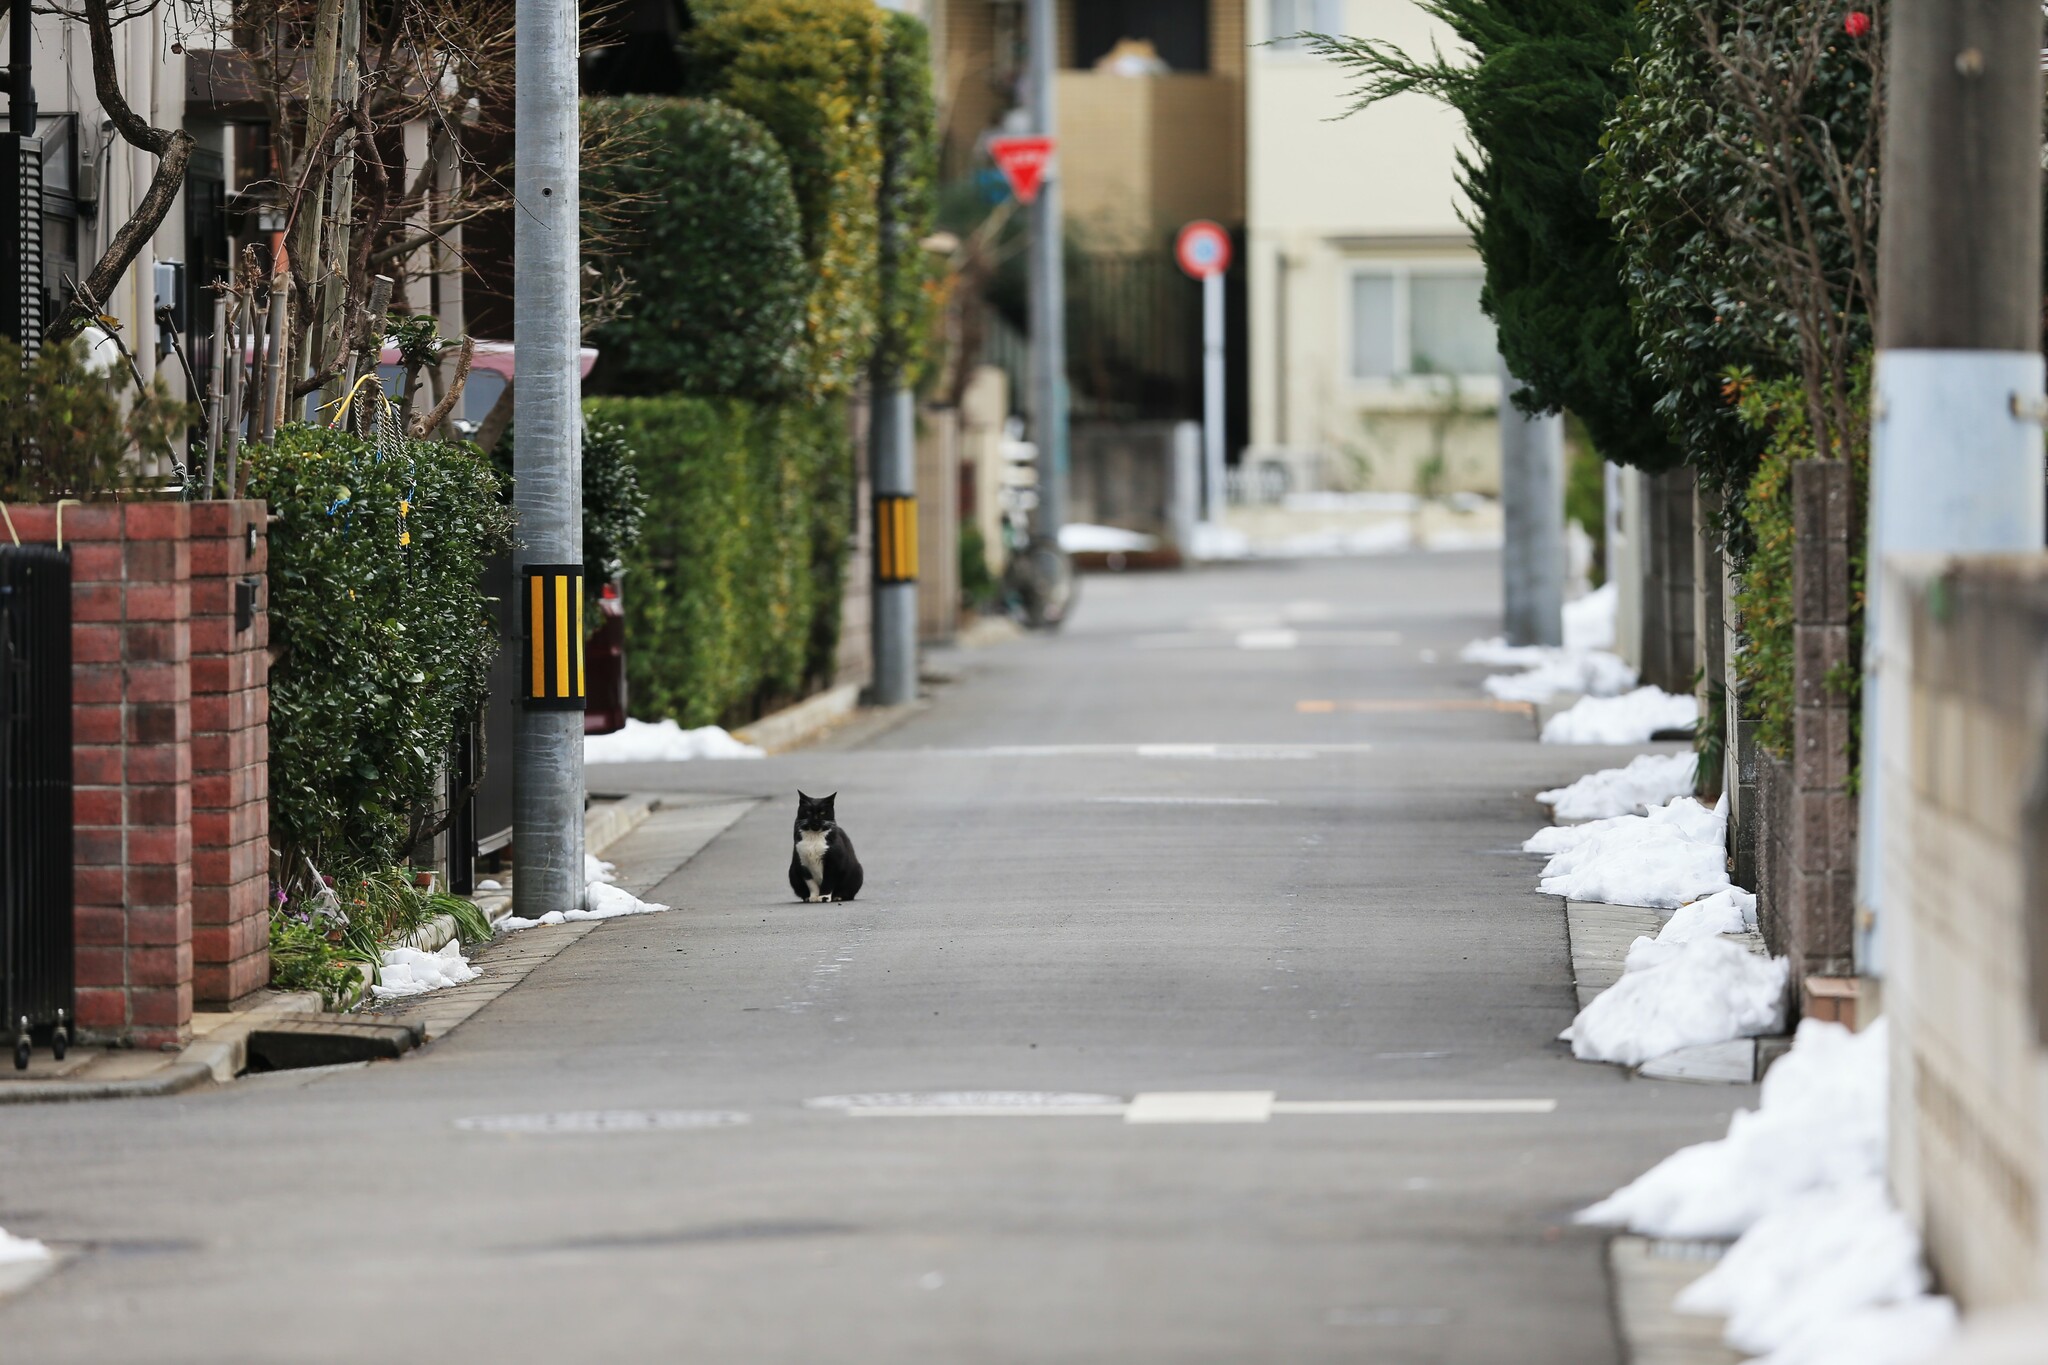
x,y
1177,29
1417,322
1285,18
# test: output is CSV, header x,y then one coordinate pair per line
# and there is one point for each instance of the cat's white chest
x,y
810,853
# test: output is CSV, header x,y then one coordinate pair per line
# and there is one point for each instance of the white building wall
x,y
1327,198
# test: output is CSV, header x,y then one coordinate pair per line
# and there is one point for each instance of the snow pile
x,y
1706,991
602,900
408,971
1210,541
1584,664
1079,538
1673,854
1825,1271
663,742
21,1248
1725,912
1649,780
1631,718
1594,673
1589,620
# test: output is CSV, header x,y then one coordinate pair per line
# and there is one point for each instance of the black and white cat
x,y
824,867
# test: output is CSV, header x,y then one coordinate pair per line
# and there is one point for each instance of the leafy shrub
x,y
710,244
1533,90
1733,114
384,638
734,589
66,430
1765,609
911,281
613,505
811,71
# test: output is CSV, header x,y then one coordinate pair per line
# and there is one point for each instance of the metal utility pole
x,y
547,464
894,474
1048,289
1212,398
1957,408
1532,516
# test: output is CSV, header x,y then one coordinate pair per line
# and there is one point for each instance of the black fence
x,y
1134,342
481,762
35,798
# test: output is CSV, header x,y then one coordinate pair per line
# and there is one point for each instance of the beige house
x,y
1372,366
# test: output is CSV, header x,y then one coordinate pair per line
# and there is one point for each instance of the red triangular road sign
x,y
1022,160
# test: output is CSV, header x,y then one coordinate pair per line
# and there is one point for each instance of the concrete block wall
x,y
1963,739
1808,873
142,597
230,752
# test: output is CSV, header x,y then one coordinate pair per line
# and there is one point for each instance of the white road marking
x,y
1200,1106
1372,1107
602,1121
1182,801
1245,752
1268,639
1153,1106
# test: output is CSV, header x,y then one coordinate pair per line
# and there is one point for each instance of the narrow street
x,y
1123,861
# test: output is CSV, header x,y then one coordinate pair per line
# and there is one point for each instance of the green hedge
x,y
733,593
1766,613
712,249
811,70
912,289
383,636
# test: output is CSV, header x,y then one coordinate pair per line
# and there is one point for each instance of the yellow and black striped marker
x,y
895,538
554,637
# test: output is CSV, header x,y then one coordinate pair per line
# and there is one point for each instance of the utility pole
x,y
1048,289
1532,517
893,471
547,464
1957,408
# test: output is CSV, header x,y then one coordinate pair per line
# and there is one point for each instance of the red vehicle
x,y
604,667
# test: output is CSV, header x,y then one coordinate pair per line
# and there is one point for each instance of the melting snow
x,y
1674,854
663,742
1707,991
21,1248
1631,718
408,971
1825,1271
1649,780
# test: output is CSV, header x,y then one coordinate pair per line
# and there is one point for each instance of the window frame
x,y
1403,271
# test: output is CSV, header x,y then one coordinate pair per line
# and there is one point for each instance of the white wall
x,y
1328,197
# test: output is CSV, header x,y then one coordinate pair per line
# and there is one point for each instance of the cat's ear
x,y
802,798
830,799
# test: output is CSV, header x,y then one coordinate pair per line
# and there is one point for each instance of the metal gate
x,y
35,797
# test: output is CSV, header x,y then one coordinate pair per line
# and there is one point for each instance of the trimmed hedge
x,y
811,70
712,248
733,592
383,635
912,280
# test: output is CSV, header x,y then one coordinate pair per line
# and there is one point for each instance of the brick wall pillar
x,y
230,751
131,642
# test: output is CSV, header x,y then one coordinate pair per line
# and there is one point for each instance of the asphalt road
x,y
1122,861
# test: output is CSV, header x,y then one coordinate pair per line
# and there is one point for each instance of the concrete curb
x,y
604,824
180,1075
223,1054
792,725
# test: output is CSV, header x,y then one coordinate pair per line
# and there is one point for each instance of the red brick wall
x,y
230,755
148,626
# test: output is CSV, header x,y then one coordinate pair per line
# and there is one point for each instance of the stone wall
x,y
1964,737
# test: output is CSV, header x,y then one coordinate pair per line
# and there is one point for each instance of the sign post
x,y
1203,250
